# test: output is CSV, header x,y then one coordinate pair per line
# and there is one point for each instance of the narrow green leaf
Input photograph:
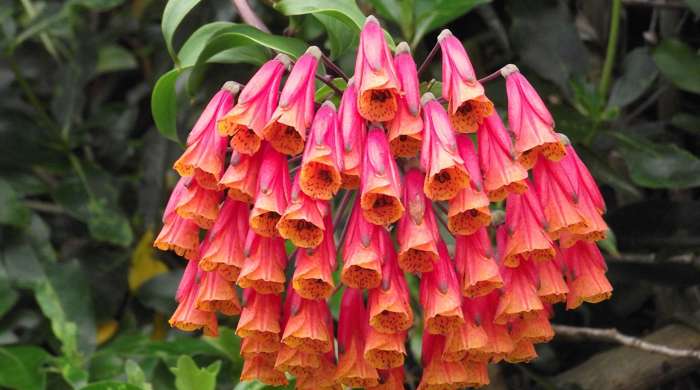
x,y
194,45
679,63
108,224
431,15
114,58
21,367
111,385
340,36
343,10
12,211
173,14
189,376
638,74
135,375
164,105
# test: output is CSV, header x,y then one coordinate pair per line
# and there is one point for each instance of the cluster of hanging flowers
x,y
490,301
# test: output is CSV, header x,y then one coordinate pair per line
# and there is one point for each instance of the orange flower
x,y
189,318
354,134
255,104
551,285
353,370
417,230
241,176
286,129
362,257
526,235
187,281
260,317
260,368
313,271
225,241
530,121
259,346
481,311
389,304
439,374
519,296
392,379
263,268
534,329
206,149
380,182
468,105
179,235
296,361
217,294
469,210
439,156
322,378
406,128
439,296
523,352
384,350
302,221
377,84
470,337
477,271
199,204
272,193
322,161
585,275
502,173
308,325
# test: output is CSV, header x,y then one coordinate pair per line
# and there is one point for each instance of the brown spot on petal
x,y
378,105
300,232
285,139
470,115
320,181
417,261
245,140
381,209
265,224
358,277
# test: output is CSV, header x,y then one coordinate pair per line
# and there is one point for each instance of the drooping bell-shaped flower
x,y
362,257
225,241
354,133
525,228
530,121
378,87
241,176
502,173
551,285
441,374
272,193
389,304
405,130
482,311
477,270
322,161
188,317
303,221
286,129
384,350
216,294
187,281
417,230
323,377
467,103
392,379
353,370
308,325
469,338
259,346
439,296
198,204
534,329
263,267
206,149
313,271
296,361
178,234
380,188
262,369
523,352
257,101
469,209
585,275
260,317
446,174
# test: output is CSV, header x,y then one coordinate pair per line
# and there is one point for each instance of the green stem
x,y
29,93
78,168
611,50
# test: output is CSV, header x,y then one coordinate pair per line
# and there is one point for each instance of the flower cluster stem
x,y
429,58
611,50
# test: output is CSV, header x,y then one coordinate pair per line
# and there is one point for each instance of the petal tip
x,y
329,104
284,59
403,48
428,96
232,87
508,70
564,139
444,34
314,51
371,19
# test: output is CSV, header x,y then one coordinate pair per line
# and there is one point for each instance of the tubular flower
x,y
303,221
241,176
417,231
551,285
259,346
392,379
322,378
198,204
187,281
362,257
380,181
322,161
296,361
389,304
263,268
385,350
286,129
439,296
519,298
353,370
502,174
467,104
469,210
188,317
534,329
470,337
439,156
225,241
526,235
313,272
377,85
354,133
260,368
478,272
272,193
308,324
260,317
585,275
406,128
178,234
530,121
439,374
206,149
482,311
217,294
523,352
245,121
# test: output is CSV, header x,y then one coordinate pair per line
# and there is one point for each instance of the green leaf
x,y
638,74
694,5
99,5
679,63
110,385
114,58
399,12
8,295
687,122
164,105
659,165
173,14
228,343
108,224
240,35
157,293
189,376
21,367
340,36
324,92
344,10
431,14
194,45
135,375
12,211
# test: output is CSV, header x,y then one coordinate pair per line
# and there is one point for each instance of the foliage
x,y
87,85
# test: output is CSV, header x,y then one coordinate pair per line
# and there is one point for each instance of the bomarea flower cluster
x,y
483,305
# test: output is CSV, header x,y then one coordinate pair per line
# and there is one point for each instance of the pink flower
x,y
381,185
362,256
417,231
354,133
469,210
272,193
223,251
302,221
439,296
406,128
502,173
323,160
263,268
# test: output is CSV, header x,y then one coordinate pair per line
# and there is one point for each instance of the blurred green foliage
x,y
86,84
